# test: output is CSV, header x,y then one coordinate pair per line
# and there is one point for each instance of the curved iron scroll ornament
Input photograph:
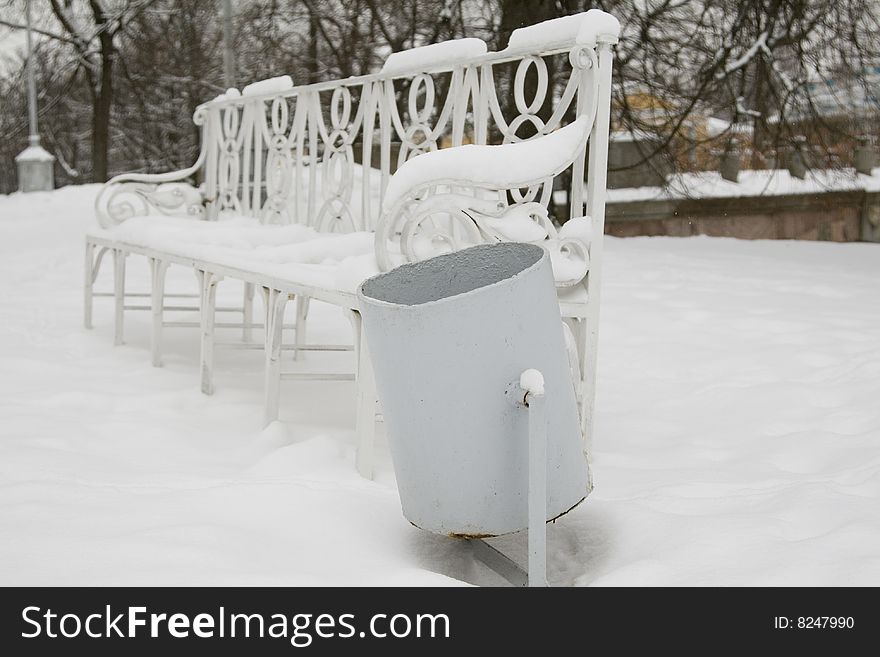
x,y
280,137
229,135
337,166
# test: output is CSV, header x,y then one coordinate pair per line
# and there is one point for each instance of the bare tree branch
x,y
38,30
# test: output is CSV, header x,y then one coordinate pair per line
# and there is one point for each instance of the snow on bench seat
x,y
293,252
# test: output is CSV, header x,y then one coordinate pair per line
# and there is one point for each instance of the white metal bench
x,y
280,169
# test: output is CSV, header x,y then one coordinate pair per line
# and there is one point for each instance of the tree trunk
x,y
103,98
101,130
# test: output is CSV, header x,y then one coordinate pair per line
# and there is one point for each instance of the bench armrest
x,y
137,194
454,198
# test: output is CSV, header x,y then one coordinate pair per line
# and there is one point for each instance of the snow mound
x,y
579,228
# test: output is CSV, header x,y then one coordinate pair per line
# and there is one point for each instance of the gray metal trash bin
x,y
449,338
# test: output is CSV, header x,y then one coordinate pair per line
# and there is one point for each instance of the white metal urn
x,y
449,338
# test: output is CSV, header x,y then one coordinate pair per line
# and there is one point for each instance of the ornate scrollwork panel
x,y
279,133
337,164
229,141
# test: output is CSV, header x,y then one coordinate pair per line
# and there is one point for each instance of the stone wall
x,y
847,216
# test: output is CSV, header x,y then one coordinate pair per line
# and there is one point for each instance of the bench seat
x,y
291,257
295,253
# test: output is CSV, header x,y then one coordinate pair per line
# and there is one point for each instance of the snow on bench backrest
x,y
424,58
323,154
578,29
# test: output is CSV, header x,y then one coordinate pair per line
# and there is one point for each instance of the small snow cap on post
x,y
532,382
229,94
584,29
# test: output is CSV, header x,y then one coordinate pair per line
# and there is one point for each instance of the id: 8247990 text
x,y
814,623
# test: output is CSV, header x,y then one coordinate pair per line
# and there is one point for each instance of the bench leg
x,y
576,337
247,313
586,383
92,267
157,307
119,295
365,430
208,301
276,301
302,314
89,285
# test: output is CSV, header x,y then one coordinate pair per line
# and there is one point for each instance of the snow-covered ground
x,y
737,438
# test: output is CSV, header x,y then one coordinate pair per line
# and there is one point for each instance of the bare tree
x,y
92,27
120,79
754,62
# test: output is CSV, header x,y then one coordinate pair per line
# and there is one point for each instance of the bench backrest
x,y
293,156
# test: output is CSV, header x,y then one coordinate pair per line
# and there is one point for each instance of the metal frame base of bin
x,y
536,572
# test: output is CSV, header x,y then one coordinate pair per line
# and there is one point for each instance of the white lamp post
x,y
35,163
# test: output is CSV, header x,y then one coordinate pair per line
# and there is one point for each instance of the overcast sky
x,y
12,42
11,47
